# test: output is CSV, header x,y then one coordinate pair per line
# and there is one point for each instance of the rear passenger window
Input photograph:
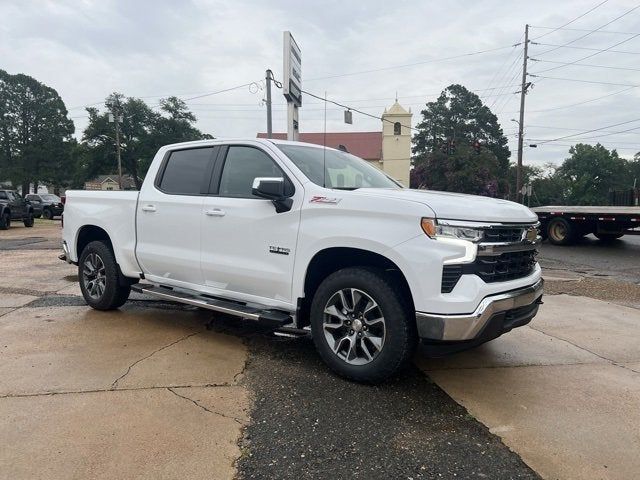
x,y
242,166
185,171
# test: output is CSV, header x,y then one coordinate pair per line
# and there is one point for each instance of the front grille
x,y
500,235
507,266
499,268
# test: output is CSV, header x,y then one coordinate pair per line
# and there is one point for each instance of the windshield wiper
x,y
346,188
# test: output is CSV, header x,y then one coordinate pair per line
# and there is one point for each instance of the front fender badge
x,y
327,200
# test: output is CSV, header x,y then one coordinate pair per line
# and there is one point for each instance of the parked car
x,y
14,207
308,239
46,205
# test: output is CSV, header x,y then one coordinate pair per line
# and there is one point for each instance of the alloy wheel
x,y
354,326
94,276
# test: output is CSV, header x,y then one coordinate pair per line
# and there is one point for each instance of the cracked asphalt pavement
x,y
159,390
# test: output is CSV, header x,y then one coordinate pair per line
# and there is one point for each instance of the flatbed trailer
x,y
564,224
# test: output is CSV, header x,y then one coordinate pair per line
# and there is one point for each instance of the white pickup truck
x,y
306,238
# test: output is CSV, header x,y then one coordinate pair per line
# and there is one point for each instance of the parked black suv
x,y
14,207
46,205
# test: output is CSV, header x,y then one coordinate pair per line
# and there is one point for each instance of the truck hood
x,y
459,206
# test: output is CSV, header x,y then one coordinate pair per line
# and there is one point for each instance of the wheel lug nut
x,y
359,334
350,332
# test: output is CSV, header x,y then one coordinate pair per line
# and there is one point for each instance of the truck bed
x,y
582,209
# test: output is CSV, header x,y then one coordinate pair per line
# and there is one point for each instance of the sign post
x,y
292,84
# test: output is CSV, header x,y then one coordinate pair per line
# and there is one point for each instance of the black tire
x,y
5,221
28,220
47,213
608,237
560,231
112,295
38,215
399,337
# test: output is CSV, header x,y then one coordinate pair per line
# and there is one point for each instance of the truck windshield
x,y
335,169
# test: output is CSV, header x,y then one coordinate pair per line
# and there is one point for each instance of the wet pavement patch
x,y
17,243
308,423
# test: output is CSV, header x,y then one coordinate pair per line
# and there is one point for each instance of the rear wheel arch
x,y
93,233
330,260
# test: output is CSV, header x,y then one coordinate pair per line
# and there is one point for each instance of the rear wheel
x,y
99,278
560,231
360,325
47,213
608,237
5,221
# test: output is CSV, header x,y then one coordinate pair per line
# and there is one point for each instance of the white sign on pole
x,y
292,81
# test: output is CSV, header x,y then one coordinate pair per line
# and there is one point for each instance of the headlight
x,y
432,229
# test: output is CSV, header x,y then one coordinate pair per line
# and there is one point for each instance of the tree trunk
x,y
35,187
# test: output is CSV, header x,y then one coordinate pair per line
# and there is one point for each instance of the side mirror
x,y
272,188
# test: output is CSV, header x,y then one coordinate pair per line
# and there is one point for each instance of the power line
x,y
584,48
587,65
357,111
584,81
570,21
582,102
433,60
590,32
584,30
593,130
591,55
499,69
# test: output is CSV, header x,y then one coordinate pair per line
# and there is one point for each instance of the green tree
x,y
591,172
35,132
459,115
464,171
142,132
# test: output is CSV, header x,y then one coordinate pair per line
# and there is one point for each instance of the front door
x,y
169,216
248,249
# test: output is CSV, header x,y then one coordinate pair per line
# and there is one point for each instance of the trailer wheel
x,y
560,231
608,237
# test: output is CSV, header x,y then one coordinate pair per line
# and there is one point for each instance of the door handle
x,y
148,208
215,212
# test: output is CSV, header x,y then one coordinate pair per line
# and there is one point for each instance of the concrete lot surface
x,y
156,390
563,392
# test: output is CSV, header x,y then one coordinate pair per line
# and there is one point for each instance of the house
x,y
389,149
110,182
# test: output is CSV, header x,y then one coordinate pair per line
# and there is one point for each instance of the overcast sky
x,y
149,49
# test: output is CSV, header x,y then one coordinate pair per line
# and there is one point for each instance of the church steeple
x,y
396,142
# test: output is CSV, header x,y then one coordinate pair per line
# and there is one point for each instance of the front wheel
x,y
99,278
47,214
28,220
361,326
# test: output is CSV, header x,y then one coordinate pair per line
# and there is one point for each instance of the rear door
x,y
169,217
248,249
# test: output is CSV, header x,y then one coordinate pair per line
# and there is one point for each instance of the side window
x,y
397,128
3,196
185,171
241,167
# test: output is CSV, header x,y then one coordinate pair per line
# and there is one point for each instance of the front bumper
x,y
494,315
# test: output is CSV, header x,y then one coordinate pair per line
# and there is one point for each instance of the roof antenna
x,y
324,144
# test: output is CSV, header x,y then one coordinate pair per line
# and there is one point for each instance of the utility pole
x,y
268,78
116,117
523,93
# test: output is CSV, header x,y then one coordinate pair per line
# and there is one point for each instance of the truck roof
x,y
264,141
